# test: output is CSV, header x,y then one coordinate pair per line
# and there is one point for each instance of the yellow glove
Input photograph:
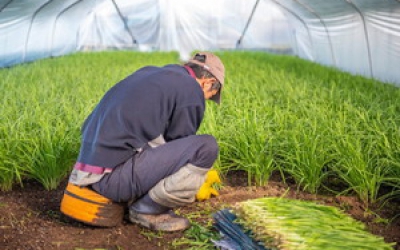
x,y
206,190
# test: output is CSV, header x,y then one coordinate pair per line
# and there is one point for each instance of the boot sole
x,y
165,227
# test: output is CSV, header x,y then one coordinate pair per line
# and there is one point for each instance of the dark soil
x,y
30,218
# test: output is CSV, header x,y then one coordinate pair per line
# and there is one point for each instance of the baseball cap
x,y
213,65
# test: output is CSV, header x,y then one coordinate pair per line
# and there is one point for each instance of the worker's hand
x,y
206,190
205,193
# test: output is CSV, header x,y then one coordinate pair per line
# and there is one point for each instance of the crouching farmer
x,y
140,150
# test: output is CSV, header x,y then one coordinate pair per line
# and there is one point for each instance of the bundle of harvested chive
x,y
233,235
294,225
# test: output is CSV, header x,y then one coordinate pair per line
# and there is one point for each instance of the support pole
x,y
123,19
323,23
247,25
55,23
5,5
366,35
30,28
298,18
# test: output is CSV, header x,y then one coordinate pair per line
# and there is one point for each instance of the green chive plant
x,y
44,105
278,113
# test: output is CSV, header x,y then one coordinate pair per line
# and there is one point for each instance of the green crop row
x,y
323,128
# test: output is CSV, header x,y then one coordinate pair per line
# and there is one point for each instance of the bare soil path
x,y
30,218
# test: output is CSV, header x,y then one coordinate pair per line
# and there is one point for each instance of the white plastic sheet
x,y
31,30
359,36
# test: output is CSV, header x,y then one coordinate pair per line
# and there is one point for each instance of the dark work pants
x,y
134,178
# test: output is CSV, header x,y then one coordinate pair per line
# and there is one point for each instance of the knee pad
x,y
180,188
89,207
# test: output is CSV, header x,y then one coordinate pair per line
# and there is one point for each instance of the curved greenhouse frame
x,y
358,36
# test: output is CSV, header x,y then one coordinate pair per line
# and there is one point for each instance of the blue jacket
x,y
152,101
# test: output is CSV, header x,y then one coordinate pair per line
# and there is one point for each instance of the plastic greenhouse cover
x,y
359,36
183,26
36,29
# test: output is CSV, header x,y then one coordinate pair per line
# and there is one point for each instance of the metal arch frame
x,y
307,7
5,5
55,23
365,33
98,33
158,22
247,24
30,27
299,18
123,19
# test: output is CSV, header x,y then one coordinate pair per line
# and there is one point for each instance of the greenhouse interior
x,y
308,127
358,36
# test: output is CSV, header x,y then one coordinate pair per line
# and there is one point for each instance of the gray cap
x,y
213,65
